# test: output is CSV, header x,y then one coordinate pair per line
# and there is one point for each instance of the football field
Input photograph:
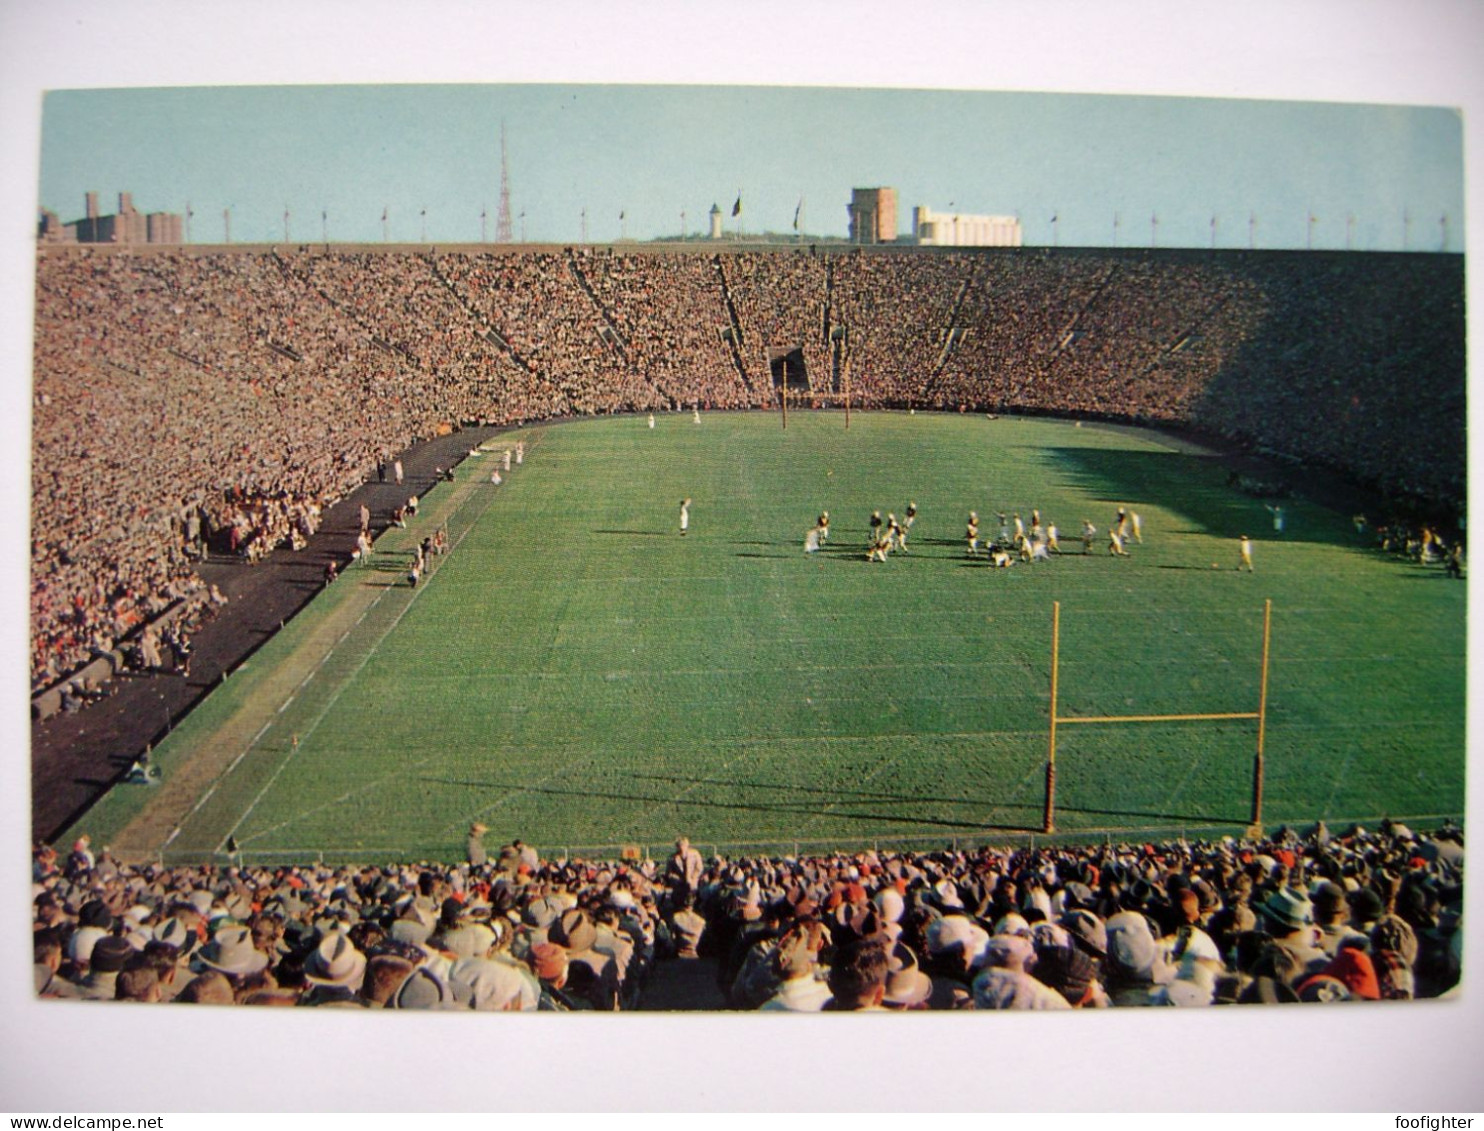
x,y
576,673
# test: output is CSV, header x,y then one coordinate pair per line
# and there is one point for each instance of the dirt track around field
x,y
359,590
77,757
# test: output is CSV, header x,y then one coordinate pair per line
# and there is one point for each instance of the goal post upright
x,y
1048,819
1255,825
1048,822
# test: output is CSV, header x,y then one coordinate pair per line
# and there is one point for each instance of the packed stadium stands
x,y
194,400
1323,916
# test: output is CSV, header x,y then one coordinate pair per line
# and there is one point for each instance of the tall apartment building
x,y
873,215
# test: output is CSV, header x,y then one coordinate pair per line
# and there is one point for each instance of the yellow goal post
x,y
1057,719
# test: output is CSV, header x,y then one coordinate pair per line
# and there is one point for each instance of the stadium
x,y
393,556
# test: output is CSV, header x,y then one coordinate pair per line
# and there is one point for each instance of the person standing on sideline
x,y
684,516
475,849
397,471
520,451
683,870
1244,548
1277,513
651,420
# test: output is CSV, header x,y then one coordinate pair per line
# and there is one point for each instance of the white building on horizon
x,y
957,229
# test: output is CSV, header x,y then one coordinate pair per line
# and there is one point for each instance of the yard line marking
x,y
392,777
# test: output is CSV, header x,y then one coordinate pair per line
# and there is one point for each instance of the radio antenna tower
x,y
502,219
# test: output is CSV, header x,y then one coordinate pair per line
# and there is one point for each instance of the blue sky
x,y
334,156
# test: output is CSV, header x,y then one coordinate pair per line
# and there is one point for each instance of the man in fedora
x,y
1290,920
334,972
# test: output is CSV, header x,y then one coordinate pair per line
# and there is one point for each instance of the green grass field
x,y
577,674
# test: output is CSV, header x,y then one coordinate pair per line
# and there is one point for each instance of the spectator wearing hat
x,y
548,962
589,972
334,972
687,926
94,922
210,987
423,989
1006,982
1135,966
907,987
954,950
231,954
1073,973
1354,968
495,987
384,975
794,961
1290,920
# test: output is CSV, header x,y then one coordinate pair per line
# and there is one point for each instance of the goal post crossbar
x,y
1064,719
1056,719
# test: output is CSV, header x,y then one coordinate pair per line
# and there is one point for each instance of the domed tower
x,y
715,222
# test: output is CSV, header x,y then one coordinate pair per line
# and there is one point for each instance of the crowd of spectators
x,y
251,389
1363,914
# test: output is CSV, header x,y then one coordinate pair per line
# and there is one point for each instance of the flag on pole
x,y
797,209
737,208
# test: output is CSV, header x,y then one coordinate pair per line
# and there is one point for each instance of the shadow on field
x,y
636,533
806,808
1194,487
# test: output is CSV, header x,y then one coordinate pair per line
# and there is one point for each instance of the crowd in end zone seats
x,y
1360,914
247,390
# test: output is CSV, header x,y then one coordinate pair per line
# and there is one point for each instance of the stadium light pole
x,y
1252,231
483,214
285,223
1406,228
227,223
